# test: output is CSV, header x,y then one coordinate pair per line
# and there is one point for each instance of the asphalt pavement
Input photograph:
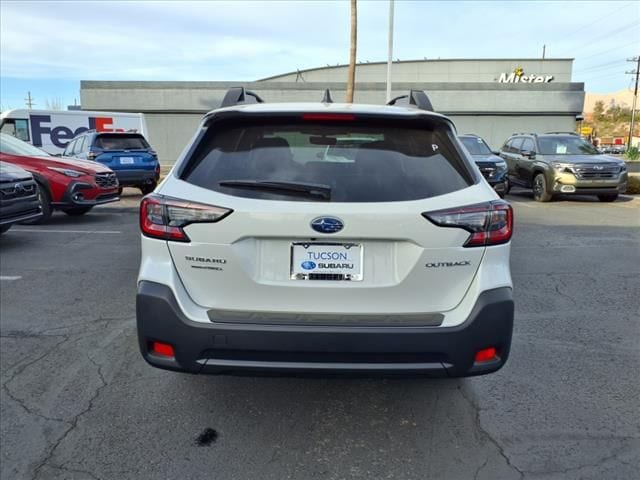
x,y
78,401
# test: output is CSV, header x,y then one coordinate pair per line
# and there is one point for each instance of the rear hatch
x,y
124,151
306,232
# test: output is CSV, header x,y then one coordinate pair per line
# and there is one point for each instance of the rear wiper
x,y
287,188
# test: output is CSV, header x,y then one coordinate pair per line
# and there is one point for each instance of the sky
x,y
47,47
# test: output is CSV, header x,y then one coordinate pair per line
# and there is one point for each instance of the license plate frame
x,y
327,274
127,160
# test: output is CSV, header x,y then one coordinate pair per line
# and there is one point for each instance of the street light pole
x,y
390,52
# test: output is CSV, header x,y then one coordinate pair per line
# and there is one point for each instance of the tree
x,y
598,111
351,76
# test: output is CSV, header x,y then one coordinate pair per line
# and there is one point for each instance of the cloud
x,y
249,40
147,41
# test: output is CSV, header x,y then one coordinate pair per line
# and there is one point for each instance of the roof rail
x,y
415,98
562,133
239,96
524,133
327,98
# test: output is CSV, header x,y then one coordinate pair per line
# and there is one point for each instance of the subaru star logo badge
x,y
308,265
327,224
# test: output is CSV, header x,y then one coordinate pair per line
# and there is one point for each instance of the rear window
x,y
121,142
352,162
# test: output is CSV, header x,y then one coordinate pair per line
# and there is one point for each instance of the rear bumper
x,y
136,177
225,348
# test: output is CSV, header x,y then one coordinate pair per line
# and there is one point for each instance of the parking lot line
x,y
9,278
42,230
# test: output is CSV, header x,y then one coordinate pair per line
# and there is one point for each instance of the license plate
x,y
126,160
326,261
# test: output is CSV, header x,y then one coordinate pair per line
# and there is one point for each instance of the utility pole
x,y
390,56
635,97
29,101
351,75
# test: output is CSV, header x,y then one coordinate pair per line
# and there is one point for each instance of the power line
x,y
601,66
608,34
607,75
598,20
635,42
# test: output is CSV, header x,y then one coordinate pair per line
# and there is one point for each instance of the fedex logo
x,y
61,135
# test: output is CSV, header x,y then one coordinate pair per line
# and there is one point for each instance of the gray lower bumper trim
x,y
301,318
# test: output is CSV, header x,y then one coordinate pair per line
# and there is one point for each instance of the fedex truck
x,y
52,130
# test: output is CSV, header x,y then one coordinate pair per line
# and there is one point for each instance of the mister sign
x,y
518,76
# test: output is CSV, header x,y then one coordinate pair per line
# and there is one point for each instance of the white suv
x,y
325,238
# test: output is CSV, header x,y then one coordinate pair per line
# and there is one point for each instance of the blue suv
x,y
128,154
493,168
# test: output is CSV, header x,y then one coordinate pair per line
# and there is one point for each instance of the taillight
x,y
489,223
154,154
165,218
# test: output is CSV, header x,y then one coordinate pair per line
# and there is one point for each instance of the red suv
x,y
73,186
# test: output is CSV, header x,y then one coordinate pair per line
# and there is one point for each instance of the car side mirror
x,y
529,154
495,152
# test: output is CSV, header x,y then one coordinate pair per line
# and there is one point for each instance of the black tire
x,y
540,192
4,228
608,198
45,203
147,188
76,211
507,186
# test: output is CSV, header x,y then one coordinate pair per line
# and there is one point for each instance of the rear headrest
x,y
267,142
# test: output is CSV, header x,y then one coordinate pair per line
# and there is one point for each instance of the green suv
x,y
562,163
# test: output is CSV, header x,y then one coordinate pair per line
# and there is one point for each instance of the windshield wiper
x,y
287,188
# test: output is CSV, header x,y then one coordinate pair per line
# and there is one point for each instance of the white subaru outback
x,y
298,238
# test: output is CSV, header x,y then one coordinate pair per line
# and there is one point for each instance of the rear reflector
x,y
489,223
486,355
340,117
164,218
162,349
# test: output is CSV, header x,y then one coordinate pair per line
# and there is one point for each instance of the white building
x,y
491,97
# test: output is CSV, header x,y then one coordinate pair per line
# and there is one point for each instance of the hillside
x,y
622,98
